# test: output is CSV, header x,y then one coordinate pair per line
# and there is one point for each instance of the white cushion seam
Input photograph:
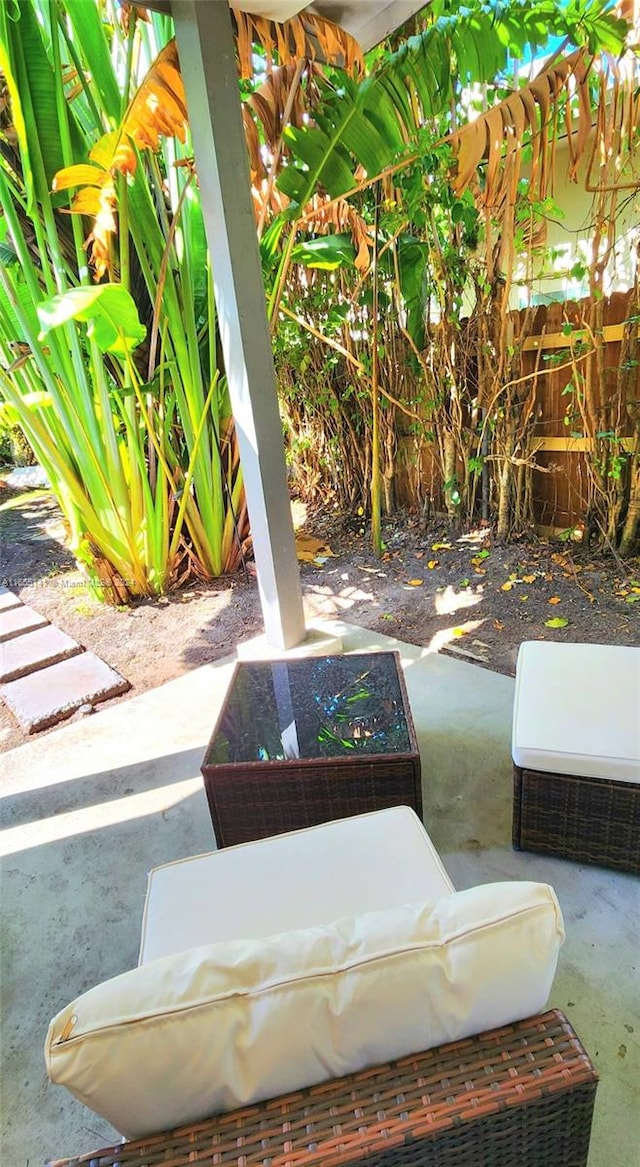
x,y
306,976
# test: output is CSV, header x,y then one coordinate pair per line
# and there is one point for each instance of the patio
x,y
90,808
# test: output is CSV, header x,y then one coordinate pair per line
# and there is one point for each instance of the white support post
x,y
208,62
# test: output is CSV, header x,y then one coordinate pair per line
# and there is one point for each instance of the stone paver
x,y
19,620
51,694
8,600
35,650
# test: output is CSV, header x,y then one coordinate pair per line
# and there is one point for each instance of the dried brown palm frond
x,y
497,136
601,91
304,37
614,163
283,99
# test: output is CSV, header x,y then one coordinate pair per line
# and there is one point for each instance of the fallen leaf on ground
x,y
440,546
308,549
557,622
498,626
555,600
459,631
432,563
524,599
415,583
528,579
631,599
506,587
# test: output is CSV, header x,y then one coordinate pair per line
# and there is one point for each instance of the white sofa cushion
x,y
577,710
214,1028
295,880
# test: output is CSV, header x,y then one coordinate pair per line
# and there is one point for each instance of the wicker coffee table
x,y
300,742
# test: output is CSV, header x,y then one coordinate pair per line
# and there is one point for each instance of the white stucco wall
x,y
570,236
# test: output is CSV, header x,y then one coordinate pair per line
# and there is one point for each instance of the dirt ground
x,y
457,591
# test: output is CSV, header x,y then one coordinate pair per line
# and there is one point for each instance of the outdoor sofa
x,y
330,999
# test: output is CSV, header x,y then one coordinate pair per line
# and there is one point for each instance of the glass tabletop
x,y
317,707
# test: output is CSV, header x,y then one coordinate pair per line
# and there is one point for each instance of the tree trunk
x,y
631,529
504,485
450,476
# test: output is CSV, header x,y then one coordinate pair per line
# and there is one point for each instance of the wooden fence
x,y
559,489
560,496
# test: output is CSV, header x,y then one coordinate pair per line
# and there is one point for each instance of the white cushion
x,y
360,864
217,1027
577,710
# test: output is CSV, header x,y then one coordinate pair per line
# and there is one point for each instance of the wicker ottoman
x,y
576,753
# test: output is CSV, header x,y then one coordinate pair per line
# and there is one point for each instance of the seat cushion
x,y
577,710
214,1028
296,880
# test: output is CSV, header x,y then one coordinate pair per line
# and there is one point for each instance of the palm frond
x,y
304,37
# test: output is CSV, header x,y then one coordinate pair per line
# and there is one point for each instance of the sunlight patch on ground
x,y
324,601
96,818
478,536
450,601
298,513
448,635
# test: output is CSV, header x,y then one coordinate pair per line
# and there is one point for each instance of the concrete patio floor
x,y
88,809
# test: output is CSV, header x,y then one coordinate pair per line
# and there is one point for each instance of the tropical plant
x,y
118,385
406,129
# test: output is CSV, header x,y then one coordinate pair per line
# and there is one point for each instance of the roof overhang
x,y
368,21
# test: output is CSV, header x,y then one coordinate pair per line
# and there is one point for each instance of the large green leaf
x,y
89,34
412,264
109,311
370,123
327,252
36,83
11,332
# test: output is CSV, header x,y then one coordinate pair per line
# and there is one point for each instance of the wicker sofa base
x,y
522,1094
590,820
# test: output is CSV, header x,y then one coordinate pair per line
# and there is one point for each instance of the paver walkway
x,y
45,675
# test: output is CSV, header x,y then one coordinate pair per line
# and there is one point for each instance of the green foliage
x,y
114,384
376,122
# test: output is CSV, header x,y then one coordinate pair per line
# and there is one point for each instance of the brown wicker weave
x,y
590,820
519,1096
252,800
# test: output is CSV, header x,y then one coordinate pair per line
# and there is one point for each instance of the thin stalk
x,y
186,486
283,270
123,200
86,87
376,536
